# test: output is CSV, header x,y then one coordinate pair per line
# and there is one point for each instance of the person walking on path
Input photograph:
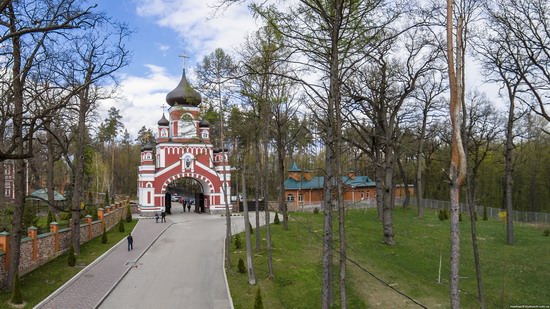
x,y
130,242
184,203
163,216
189,206
156,217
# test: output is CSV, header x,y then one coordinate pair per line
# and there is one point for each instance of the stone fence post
x,y
54,228
101,216
32,232
5,246
88,219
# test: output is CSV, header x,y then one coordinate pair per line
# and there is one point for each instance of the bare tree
x,y
28,27
429,90
381,89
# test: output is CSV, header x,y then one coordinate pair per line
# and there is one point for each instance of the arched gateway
x,y
183,150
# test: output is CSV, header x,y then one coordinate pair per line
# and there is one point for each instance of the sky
x,y
164,30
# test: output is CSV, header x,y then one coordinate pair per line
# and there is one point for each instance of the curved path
x,y
178,264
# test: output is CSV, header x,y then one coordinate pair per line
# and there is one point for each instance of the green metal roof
x,y
42,194
294,168
318,181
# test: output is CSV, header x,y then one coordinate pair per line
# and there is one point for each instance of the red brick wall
x,y
45,243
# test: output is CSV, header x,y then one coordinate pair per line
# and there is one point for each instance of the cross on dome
x,y
184,56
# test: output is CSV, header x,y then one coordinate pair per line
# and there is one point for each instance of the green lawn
x,y
513,275
44,280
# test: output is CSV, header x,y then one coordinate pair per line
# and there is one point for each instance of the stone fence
x,y
38,249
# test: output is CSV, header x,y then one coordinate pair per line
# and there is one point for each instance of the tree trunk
x,y
508,174
457,168
407,200
19,165
257,190
78,173
2,183
419,189
50,167
282,203
471,186
387,221
267,215
249,261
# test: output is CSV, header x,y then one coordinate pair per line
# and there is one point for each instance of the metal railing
x,y
495,213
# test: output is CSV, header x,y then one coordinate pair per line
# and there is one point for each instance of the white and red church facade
x,y
183,149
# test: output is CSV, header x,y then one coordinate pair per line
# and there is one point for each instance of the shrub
x,y
445,213
128,214
106,200
16,296
315,210
441,215
251,229
51,217
258,304
104,236
71,258
241,267
546,232
121,226
276,219
485,217
238,243
460,217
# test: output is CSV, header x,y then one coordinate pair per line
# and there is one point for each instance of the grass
x,y
512,275
43,281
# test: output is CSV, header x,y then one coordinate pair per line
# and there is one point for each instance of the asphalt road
x,y
183,268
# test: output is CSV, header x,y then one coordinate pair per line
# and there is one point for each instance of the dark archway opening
x,y
186,193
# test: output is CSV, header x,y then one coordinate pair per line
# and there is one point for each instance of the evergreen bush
x,y
106,200
445,213
251,229
460,217
51,217
276,219
71,258
315,210
241,267
485,217
121,226
128,214
104,236
238,243
441,215
16,296
258,303
546,232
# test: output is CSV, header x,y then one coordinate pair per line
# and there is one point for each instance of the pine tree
x,y
238,243
128,214
51,218
258,303
276,219
71,258
104,236
241,267
121,226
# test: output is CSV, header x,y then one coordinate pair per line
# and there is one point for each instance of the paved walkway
x,y
89,286
178,264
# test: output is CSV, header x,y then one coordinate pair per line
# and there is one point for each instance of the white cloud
x,y
199,30
141,98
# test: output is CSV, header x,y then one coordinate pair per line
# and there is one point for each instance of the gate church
x,y
183,150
